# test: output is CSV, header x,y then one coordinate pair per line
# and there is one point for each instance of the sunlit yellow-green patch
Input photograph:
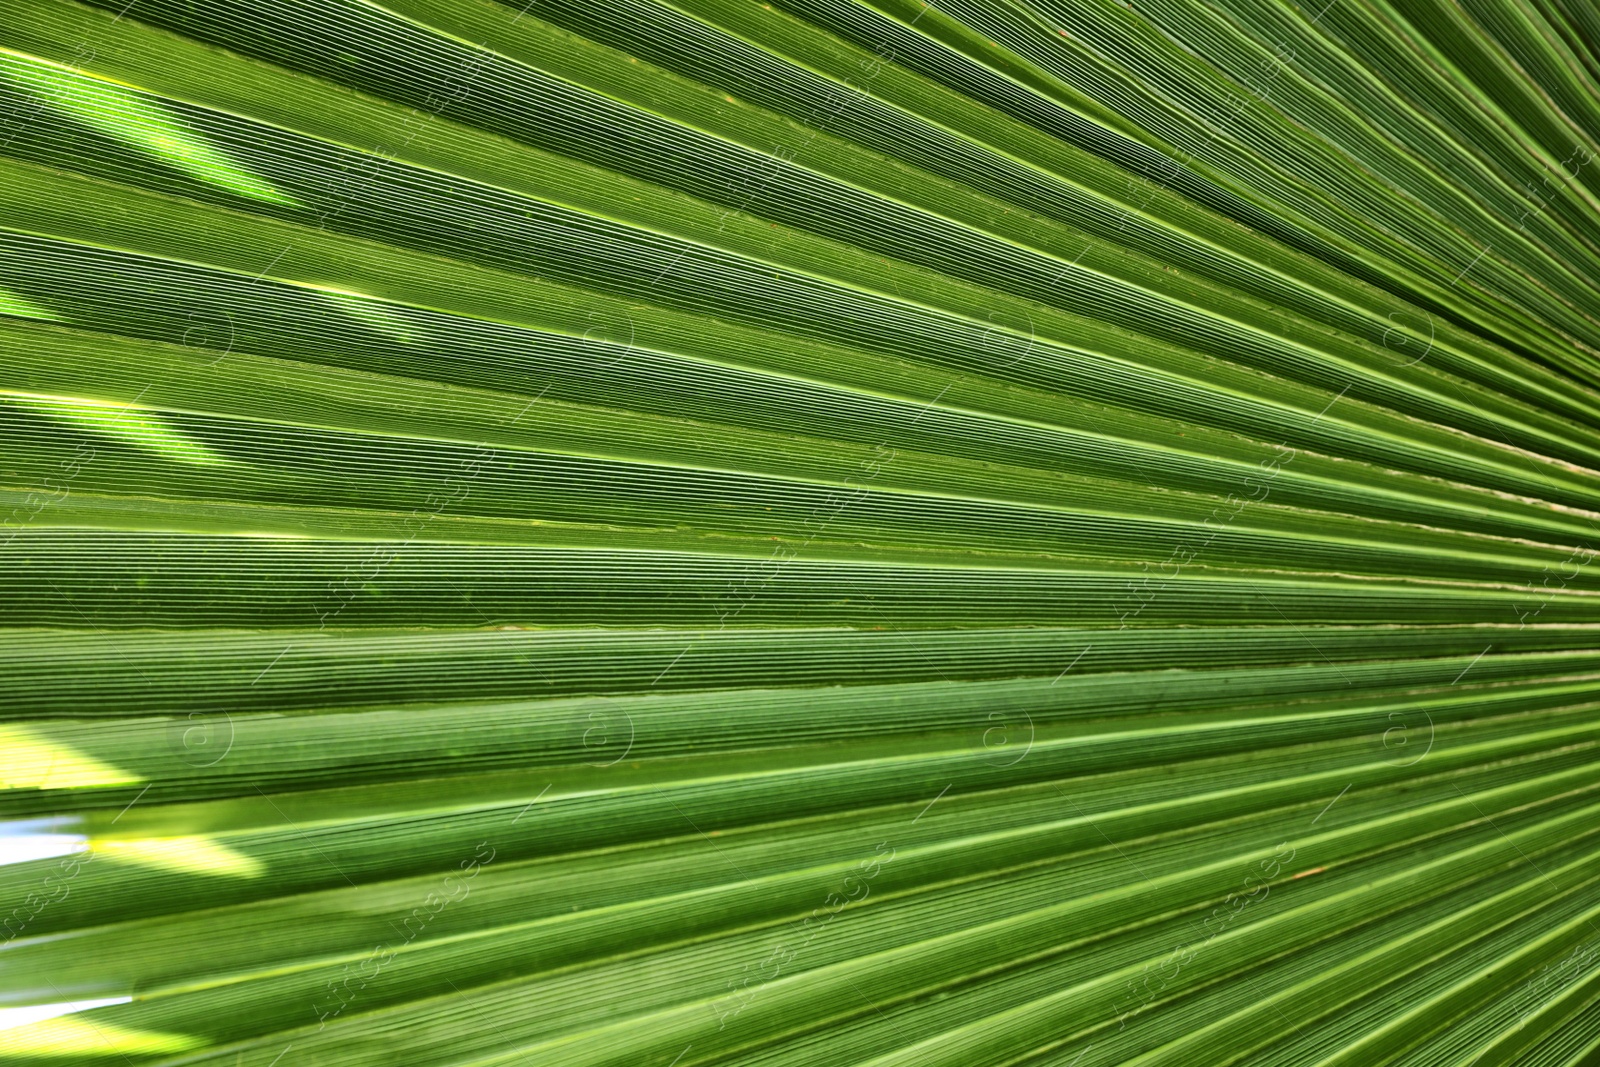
x,y
70,1036
372,313
126,115
12,304
194,854
33,761
124,423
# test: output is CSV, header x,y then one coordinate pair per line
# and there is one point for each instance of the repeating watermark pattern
x,y
56,491
1578,559
854,889
1143,592
359,576
1544,179
1156,975
207,325
369,166
1259,87
341,992
1402,333
1008,735
614,330
31,104
1538,206
838,97
211,329
1405,727
740,591
55,887
1399,736
1550,979
603,732
1009,738
1256,887
747,186
997,343
1258,83
201,740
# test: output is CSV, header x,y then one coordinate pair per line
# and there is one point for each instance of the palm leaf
x,y
830,532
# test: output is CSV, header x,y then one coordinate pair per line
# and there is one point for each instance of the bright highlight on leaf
x,y
22,840
371,313
35,761
12,304
122,423
193,854
80,1040
125,114
11,1018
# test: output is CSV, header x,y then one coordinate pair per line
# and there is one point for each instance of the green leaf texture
x,y
1053,533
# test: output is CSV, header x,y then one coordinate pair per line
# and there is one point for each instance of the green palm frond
x,y
821,533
